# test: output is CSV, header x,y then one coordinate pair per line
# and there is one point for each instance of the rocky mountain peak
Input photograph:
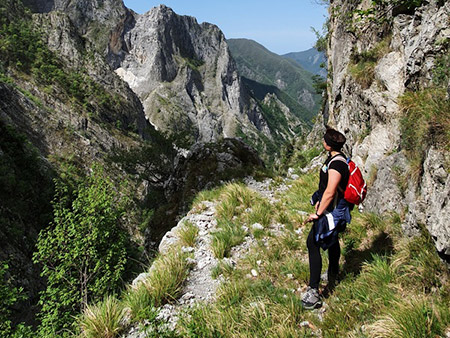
x,y
185,77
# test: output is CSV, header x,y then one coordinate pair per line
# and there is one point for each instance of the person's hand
x,y
312,217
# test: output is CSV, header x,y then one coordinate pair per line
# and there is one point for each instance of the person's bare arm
x,y
334,177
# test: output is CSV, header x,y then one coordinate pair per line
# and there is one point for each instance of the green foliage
x,y
294,155
262,71
441,71
426,118
9,296
194,64
26,189
22,48
274,116
382,11
319,84
409,4
83,252
322,37
152,161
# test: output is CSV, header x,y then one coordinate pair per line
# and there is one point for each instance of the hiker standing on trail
x,y
331,216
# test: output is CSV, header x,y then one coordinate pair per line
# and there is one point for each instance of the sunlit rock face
x,y
369,113
185,77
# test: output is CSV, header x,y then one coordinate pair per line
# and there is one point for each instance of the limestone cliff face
x,y
185,77
94,19
404,44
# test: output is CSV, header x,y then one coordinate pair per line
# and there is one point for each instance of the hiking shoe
x,y
311,299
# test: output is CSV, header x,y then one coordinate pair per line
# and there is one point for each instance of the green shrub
x,y
83,252
10,296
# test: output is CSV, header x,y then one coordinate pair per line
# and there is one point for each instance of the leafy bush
x,y
83,252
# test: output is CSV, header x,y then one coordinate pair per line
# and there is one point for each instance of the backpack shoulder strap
x,y
338,157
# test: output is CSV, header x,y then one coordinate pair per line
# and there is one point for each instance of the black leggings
x,y
315,260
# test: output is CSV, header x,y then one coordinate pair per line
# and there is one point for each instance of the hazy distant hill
x,y
262,67
310,60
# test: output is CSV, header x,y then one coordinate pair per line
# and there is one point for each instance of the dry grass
x,y
102,319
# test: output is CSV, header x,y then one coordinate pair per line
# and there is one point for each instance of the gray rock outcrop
x,y
205,166
94,19
186,79
369,113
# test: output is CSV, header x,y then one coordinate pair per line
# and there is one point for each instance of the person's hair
x,y
334,139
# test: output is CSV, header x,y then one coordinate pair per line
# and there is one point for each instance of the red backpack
x,y
356,189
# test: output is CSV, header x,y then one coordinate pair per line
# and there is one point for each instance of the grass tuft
x,y
412,317
188,234
102,319
229,234
163,285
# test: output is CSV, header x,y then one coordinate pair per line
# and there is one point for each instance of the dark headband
x,y
333,144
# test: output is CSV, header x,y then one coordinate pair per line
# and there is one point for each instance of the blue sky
x,y
282,26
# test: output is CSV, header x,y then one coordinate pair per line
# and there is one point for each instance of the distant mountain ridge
x,y
311,60
281,76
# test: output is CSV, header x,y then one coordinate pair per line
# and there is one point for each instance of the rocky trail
x,y
200,286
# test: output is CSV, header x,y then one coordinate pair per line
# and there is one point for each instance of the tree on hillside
x,y
83,252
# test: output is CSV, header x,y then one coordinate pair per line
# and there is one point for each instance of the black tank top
x,y
338,165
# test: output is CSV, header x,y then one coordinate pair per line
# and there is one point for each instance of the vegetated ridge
x,y
265,73
311,60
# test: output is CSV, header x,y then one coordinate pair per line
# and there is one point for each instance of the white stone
x,y
257,226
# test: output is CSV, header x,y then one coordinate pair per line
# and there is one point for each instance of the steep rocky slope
x,y
385,61
63,108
